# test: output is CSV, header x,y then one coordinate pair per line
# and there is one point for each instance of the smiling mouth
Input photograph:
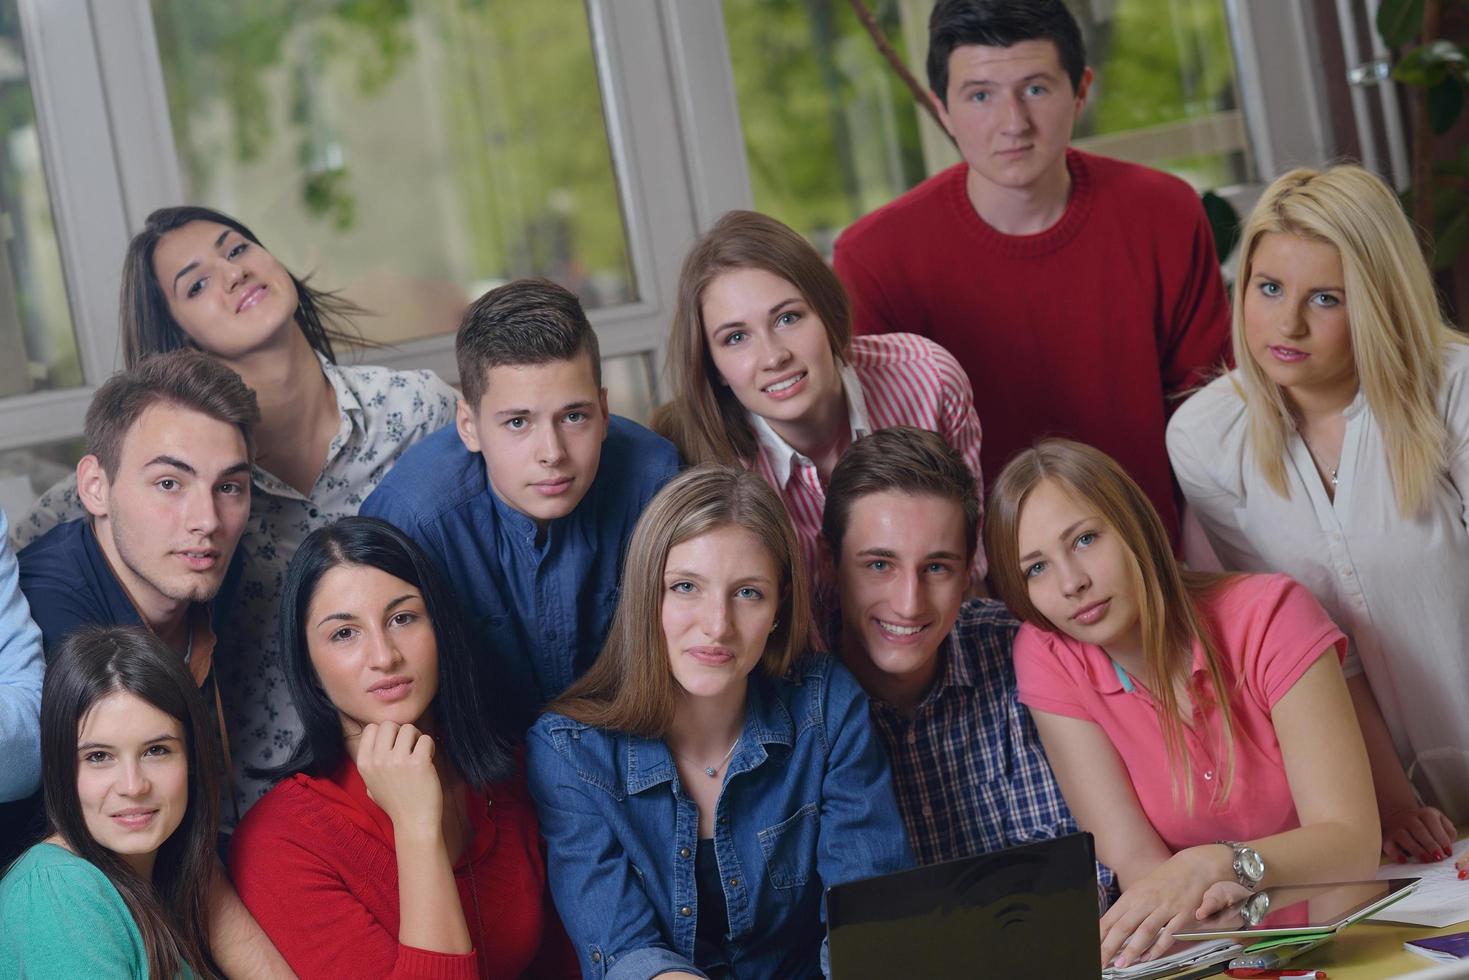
x,y
1087,615
1283,353
893,629
785,384
135,818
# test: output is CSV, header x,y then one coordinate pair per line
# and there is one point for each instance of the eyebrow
x,y
165,737
195,264
172,461
1060,537
1263,274
674,573
771,312
580,406
974,82
350,616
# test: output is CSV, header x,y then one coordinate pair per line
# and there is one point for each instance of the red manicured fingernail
x,y
1463,873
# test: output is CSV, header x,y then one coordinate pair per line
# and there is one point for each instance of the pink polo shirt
x,y
1269,630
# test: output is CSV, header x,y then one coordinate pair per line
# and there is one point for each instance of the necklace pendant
x,y
709,771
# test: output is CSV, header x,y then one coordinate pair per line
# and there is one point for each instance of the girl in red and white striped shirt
x,y
766,373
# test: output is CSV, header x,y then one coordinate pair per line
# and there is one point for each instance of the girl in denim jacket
x,y
703,783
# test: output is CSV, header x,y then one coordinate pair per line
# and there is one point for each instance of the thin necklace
x,y
712,771
1317,459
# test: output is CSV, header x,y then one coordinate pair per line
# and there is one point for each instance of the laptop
x,y
1028,911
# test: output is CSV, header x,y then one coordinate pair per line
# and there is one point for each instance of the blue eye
x,y
1035,90
1031,571
979,97
576,418
682,587
1270,288
1085,540
733,337
749,592
1326,300
517,423
786,319
879,565
937,568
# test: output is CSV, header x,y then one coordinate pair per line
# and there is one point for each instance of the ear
x,y
1082,90
467,426
92,485
943,111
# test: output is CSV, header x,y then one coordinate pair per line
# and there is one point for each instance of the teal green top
x,y
64,919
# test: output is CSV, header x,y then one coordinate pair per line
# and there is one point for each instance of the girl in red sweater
x,y
403,843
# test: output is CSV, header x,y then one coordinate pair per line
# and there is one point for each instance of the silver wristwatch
x,y
1249,867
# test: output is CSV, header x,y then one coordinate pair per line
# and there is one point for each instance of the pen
x,y
1251,972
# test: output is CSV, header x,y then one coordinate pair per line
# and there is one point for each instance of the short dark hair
x,y
901,459
185,377
473,726
92,663
148,326
1001,24
528,321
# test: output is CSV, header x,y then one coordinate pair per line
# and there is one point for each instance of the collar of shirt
x,y
767,722
1105,676
349,407
779,452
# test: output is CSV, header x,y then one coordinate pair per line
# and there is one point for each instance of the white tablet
x,y
1298,909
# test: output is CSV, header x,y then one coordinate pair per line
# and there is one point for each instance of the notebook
x,y
1028,911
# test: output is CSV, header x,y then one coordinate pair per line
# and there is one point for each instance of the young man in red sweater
x,y
1081,294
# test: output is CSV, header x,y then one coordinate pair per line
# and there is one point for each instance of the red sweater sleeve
x,y
1197,342
309,906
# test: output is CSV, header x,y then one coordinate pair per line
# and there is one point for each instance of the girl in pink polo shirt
x,y
1199,726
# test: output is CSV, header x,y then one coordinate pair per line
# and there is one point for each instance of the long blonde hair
x,y
705,420
1167,595
630,687
1397,328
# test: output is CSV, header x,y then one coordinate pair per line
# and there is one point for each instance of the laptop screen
x,y
1028,911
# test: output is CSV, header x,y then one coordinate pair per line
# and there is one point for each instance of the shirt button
x,y
1208,773
927,810
734,882
685,911
724,819
596,956
912,737
683,852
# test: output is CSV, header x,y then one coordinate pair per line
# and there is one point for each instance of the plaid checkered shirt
x,y
969,769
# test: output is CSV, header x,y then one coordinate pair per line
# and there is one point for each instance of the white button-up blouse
x,y
1399,588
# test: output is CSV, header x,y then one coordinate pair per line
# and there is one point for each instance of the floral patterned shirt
x,y
383,412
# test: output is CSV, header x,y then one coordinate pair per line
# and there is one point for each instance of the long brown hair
x,y
171,909
630,688
1167,595
705,420
1398,330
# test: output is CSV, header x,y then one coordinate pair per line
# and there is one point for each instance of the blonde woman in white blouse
x,y
1338,452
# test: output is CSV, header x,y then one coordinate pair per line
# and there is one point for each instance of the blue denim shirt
x,y
807,802
541,609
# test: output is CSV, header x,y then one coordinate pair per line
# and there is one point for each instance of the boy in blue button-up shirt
x,y
528,501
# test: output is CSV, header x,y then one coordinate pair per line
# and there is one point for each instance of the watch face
x,y
1255,909
1251,863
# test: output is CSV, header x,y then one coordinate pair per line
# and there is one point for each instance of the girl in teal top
x,y
119,887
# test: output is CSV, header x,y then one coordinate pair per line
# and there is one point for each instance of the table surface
x,y
1372,951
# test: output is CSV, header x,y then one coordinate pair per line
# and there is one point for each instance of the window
x,y
413,154
38,349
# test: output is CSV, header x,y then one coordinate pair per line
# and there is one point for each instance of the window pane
x,y
629,383
1165,78
830,131
38,349
413,153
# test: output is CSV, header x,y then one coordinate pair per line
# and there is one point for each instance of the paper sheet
x,y
1440,900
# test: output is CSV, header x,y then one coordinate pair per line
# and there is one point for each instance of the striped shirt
x,y
890,379
969,770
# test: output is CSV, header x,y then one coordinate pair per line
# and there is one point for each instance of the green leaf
x,y
1224,222
1450,240
1399,21
1445,100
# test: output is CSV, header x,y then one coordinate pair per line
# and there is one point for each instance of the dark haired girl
x,y
120,886
404,843
328,433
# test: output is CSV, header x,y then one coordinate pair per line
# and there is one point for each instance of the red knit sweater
x,y
1091,329
314,863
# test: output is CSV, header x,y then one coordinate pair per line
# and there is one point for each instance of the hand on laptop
x,y
1189,886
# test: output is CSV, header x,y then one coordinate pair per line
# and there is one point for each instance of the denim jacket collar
x,y
767,722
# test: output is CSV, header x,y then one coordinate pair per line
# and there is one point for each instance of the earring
x,y
775,626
